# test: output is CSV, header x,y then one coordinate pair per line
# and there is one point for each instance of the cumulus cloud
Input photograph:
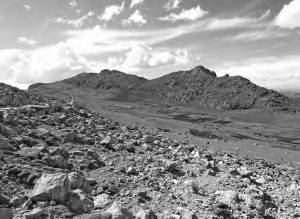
x,y
27,41
136,18
45,64
186,15
58,61
112,11
172,4
271,72
289,16
77,23
142,56
135,3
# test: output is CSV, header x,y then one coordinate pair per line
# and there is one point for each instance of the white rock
x,y
51,187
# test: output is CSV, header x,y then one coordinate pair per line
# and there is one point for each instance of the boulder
x,y
228,197
146,214
119,212
5,145
78,181
51,187
59,161
102,201
149,139
78,202
188,215
35,213
17,201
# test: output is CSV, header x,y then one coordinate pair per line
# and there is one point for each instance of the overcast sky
x,y
49,40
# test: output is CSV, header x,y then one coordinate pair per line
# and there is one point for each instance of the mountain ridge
x,y
198,86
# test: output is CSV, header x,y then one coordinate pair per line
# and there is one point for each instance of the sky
x,y
50,40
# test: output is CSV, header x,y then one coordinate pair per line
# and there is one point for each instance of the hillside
x,y
198,86
66,161
13,97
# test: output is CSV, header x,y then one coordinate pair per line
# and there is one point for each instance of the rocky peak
x,y
202,70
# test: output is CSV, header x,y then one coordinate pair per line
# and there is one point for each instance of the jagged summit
x,y
201,70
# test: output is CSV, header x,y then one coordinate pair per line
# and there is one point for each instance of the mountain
x,y
198,86
106,80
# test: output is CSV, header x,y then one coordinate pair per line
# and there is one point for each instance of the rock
x,y
169,165
78,202
49,121
34,152
102,201
4,200
71,137
234,172
35,213
51,187
17,201
228,197
27,204
149,139
119,212
188,215
8,117
146,214
106,141
5,131
5,145
78,181
59,161
6,213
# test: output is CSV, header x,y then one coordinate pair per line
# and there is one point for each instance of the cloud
x,y
112,11
186,15
172,4
135,3
58,61
142,56
271,72
44,64
77,23
99,40
227,23
265,14
74,5
254,35
136,18
27,7
289,16
27,41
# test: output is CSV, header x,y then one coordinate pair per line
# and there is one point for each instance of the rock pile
x,y
64,161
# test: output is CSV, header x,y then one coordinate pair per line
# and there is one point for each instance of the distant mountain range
x,y
198,86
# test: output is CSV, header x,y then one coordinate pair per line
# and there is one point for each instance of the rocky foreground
x,y
65,161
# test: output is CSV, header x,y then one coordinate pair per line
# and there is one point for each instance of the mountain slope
x,y
202,86
14,97
198,86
